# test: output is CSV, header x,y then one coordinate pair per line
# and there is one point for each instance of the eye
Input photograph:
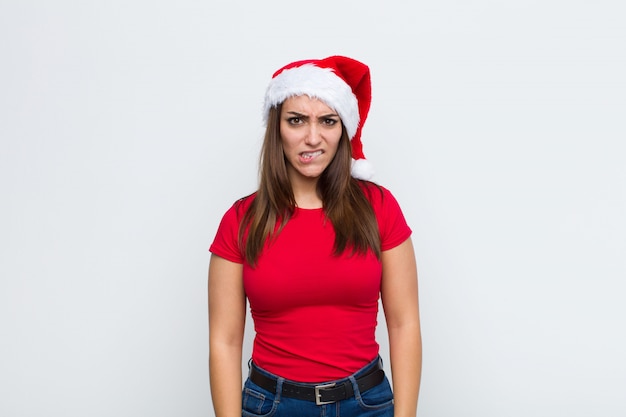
x,y
294,120
330,122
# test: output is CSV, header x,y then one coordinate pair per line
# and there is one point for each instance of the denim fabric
x,y
375,402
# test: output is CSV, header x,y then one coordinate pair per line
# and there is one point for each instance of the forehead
x,y
306,104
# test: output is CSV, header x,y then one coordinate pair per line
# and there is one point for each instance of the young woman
x,y
312,250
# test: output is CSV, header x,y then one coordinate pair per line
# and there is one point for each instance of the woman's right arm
x,y
227,315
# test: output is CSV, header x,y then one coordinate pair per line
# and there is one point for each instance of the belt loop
x,y
356,392
279,389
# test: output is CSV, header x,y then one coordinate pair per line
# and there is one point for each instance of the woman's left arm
x,y
400,303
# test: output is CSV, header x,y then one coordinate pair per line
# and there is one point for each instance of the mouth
x,y
308,156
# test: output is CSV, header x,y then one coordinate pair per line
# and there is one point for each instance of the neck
x,y
305,193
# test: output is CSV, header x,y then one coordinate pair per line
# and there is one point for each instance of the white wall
x,y
129,127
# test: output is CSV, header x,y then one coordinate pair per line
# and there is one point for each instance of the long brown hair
x,y
343,198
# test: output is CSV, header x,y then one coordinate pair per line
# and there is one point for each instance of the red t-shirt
x,y
314,313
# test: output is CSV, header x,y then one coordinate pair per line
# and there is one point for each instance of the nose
x,y
313,135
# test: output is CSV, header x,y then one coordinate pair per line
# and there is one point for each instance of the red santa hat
x,y
342,83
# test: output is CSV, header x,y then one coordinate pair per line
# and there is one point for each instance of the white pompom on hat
x,y
342,83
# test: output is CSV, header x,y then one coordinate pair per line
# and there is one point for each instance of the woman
x,y
312,250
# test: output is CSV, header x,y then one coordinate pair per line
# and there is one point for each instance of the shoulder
x,y
226,243
392,224
242,205
244,202
376,194
238,209
384,203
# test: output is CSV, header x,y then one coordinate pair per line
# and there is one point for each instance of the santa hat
x,y
340,82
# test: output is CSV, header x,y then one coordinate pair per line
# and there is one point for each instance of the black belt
x,y
322,393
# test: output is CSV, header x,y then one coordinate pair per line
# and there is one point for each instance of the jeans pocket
x,y
256,402
380,396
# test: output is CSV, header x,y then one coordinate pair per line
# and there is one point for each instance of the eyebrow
x,y
302,116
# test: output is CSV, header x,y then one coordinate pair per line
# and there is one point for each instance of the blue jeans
x,y
375,402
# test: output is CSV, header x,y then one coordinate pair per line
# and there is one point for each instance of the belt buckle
x,y
318,394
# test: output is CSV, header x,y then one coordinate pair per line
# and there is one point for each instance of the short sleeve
x,y
392,224
226,242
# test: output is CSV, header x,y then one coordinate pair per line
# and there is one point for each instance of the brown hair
x,y
343,198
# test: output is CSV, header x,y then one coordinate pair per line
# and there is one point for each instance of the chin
x,y
311,174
